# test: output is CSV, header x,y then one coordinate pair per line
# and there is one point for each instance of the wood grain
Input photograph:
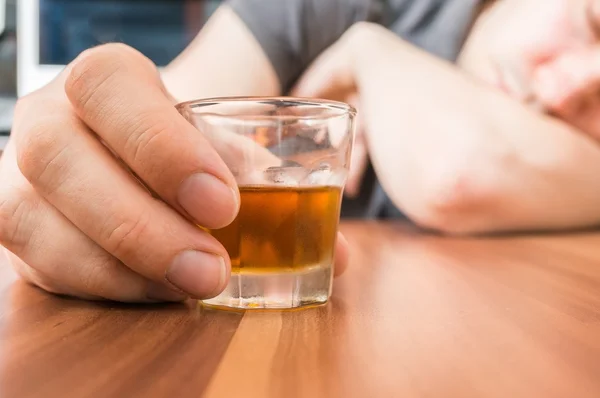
x,y
416,315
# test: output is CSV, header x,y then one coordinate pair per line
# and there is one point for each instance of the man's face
x,y
511,39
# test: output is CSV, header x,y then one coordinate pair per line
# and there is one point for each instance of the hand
x,y
73,212
514,37
569,87
330,76
542,52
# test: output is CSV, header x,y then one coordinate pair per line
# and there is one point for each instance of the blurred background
x,y
158,28
8,47
39,37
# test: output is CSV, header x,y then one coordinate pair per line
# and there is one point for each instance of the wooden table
x,y
416,315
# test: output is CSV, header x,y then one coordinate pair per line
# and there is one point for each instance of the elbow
x,y
457,201
462,186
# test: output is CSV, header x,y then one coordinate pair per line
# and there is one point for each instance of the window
x,y
160,29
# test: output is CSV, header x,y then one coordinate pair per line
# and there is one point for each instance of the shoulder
x,y
437,26
294,32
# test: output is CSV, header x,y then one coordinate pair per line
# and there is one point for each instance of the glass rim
x,y
340,109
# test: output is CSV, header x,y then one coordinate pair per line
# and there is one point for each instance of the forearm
x,y
223,60
460,157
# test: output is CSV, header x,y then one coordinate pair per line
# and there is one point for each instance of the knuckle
x,y
92,70
42,157
95,69
15,211
107,277
149,135
125,235
33,144
91,281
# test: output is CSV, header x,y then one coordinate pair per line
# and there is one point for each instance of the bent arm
x,y
460,157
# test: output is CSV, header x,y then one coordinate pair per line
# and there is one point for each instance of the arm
x,y
225,59
259,47
455,155
549,57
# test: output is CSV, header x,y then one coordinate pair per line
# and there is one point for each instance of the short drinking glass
x,y
290,158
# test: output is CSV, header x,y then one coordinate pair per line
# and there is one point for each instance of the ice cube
x,y
320,175
326,176
287,176
337,177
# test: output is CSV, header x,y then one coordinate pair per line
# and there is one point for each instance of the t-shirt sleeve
x,y
437,26
293,33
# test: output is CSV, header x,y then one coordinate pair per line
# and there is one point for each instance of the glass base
x,y
284,290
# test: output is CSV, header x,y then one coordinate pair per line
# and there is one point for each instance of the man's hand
x,y
104,183
569,87
78,222
331,76
542,52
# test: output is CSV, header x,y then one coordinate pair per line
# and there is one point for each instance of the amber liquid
x,y
282,229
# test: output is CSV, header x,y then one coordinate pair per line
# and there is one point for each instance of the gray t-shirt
x,y
294,32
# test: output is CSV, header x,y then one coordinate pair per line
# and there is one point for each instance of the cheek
x,y
537,34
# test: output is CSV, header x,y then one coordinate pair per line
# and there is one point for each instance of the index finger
x,y
118,93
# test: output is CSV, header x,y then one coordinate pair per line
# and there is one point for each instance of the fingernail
x,y
211,202
201,275
160,292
